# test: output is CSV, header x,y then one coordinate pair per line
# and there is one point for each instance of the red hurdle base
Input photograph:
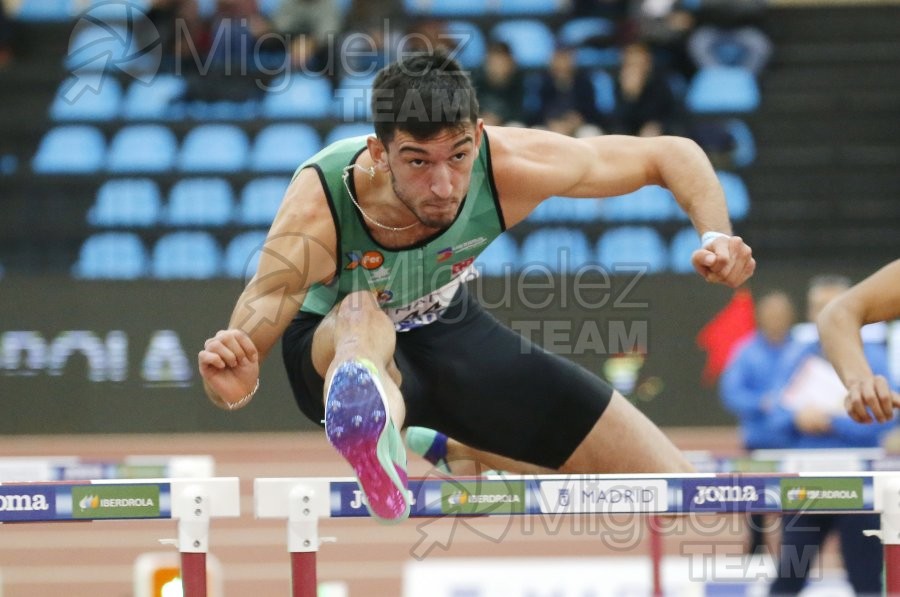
x,y
193,574
303,574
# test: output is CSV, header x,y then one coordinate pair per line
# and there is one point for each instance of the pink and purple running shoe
x,y
358,424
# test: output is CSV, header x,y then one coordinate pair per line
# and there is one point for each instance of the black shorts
x,y
472,378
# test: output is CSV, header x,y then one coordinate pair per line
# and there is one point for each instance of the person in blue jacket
x,y
808,425
747,378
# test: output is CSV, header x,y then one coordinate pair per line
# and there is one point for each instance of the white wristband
x,y
710,236
245,399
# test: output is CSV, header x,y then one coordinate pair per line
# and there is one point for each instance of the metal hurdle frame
x,y
192,502
303,501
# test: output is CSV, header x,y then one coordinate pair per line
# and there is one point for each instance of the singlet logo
x,y
368,260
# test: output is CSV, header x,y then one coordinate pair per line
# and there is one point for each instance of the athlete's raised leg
x,y
353,350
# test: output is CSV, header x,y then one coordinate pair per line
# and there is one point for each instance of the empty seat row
x,y
649,203
137,203
64,10
82,149
567,250
197,255
179,255
96,96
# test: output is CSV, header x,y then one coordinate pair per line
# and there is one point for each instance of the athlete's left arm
x,y
531,165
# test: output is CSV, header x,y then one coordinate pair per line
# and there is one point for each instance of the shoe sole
x,y
359,427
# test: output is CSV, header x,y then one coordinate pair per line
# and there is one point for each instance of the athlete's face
x,y
431,177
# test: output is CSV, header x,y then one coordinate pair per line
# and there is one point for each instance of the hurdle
x,y
73,468
302,502
192,502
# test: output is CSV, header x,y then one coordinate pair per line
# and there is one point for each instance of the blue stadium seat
x,y
200,202
563,209
116,10
70,150
577,31
242,254
528,7
298,96
155,101
214,148
471,47
722,89
87,97
559,249
142,148
651,203
46,10
132,202
531,42
744,152
98,48
353,98
260,200
629,247
683,245
735,194
345,131
186,255
446,8
283,147
111,255
500,257
604,91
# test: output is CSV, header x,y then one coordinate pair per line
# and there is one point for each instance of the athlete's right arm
x,y
299,251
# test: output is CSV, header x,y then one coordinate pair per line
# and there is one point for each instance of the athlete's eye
x,y
460,156
417,163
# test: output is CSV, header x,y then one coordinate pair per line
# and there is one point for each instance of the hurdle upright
x,y
303,501
192,502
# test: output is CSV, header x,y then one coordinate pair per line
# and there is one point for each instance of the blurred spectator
x,y
5,38
566,99
500,85
609,9
808,413
644,101
425,35
184,37
747,381
317,18
308,28
230,68
664,25
236,27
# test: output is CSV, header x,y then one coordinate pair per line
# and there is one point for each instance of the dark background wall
x,y
164,324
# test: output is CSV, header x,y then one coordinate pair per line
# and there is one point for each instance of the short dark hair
x,y
422,95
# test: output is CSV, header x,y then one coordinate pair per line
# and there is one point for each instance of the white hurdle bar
x,y
73,468
192,502
303,501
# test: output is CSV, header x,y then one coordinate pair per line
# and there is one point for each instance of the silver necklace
x,y
371,172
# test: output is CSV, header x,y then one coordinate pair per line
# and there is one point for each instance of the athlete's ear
x,y
378,152
479,135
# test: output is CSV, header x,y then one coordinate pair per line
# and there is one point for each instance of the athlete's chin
x,y
441,217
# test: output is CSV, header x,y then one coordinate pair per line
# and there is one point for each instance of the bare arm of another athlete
x,y
531,165
877,298
299,251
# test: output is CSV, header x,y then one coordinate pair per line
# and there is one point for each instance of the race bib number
x,y
427,309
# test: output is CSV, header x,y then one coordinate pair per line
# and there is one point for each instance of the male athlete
x,y
374,240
